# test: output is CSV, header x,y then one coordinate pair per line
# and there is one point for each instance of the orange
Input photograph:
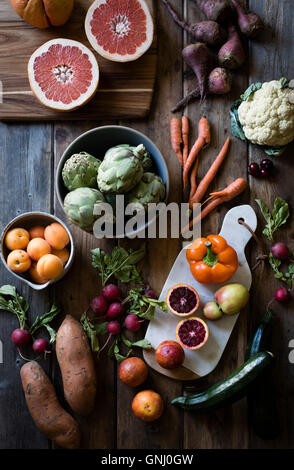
x,y
147,405
182,300
192,333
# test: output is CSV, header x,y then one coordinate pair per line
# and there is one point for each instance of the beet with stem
x,y
249,23
199,58
232,54
215,10
219,83
209,32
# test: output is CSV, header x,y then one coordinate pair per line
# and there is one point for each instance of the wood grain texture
x,y
125,90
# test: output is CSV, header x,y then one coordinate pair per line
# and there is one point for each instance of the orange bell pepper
x,y
212,260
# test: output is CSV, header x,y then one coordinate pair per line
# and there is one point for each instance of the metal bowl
x,y
26,221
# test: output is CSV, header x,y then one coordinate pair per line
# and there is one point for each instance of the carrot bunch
x,y
179,130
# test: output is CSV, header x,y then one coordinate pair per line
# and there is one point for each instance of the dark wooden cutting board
x,y
125,90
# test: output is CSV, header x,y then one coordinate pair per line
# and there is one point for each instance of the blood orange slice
x,y
63,74
119,30
192,333
182,300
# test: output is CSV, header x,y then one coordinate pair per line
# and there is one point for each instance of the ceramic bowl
x,y
26,221
97,141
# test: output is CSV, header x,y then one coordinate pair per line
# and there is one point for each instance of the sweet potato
x,y
46,411
77,366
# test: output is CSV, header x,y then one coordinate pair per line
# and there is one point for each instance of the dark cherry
x,y
267,164
264,173
254,169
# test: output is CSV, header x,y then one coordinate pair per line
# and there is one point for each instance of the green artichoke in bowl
x,y
145,156
80,171
79,206
150,189
121,170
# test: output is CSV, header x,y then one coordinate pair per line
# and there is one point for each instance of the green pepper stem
x,y
210,259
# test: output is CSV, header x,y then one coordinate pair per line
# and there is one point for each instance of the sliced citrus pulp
x,y
182,300
192,333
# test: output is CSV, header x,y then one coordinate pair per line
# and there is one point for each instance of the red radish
x,y
111,292
199,58
216,10
150,293
113,328
282,295
21,337
115,310
219,83
99,305
280,251
40,346
232,54
249,23
209,32
132,322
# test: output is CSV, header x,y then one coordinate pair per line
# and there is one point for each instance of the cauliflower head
x,y
267,116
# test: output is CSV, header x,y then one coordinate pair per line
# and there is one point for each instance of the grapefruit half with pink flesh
x,y
63,74
192,333
119,31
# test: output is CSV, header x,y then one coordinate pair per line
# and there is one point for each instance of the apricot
x,y
147,405
49,266
18,261
17,239
37,232
56,235
62,254
170,354
37,248
133,371
34,273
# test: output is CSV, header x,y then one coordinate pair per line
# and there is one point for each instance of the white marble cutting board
x,y
202,362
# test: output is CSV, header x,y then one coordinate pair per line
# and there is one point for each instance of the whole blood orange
x,y
182,300
119,31
170,355
43,13
133,371
63,74
147,405
192,333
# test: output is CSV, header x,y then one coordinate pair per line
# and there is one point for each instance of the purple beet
x,y
249,23
215,10
232,54
209,32
199,58
219,83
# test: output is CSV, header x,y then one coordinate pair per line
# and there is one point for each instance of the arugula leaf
x,y
12,302
44,320
277,218
251,90
122,264
237,129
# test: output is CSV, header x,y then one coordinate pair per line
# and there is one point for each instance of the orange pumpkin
x,y
212,260
44,13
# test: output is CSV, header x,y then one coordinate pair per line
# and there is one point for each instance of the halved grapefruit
x,y
120,31
192,333
182,300
63,74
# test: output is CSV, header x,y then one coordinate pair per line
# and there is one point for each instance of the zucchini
x,y
261,398
231,389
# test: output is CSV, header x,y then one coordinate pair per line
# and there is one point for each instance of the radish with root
x,y
209,32
199,58
232,54
249,23
219,83
215,10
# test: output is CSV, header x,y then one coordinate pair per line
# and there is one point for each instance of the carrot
x,y
176,138
230,192
185,135
193,183
205,182
202,140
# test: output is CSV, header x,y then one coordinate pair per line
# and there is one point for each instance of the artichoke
x,y
147,162
121,169
80,171
151,188
79,206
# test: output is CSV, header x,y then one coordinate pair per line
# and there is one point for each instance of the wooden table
x,y
29,156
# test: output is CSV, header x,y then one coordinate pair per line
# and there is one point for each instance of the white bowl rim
x,y
134,233
69,261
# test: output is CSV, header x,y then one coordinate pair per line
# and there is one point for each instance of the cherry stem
x,y
263,256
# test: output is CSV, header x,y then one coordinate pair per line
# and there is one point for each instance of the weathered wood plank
x,y
26,184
